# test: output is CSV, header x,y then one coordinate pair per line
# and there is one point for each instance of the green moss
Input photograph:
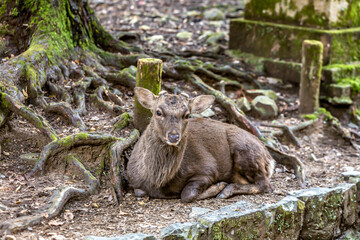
x,y
269,10
284,41
65,141
353,82
320,111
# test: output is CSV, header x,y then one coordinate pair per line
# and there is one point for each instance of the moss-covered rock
x,y
264,107
324,209
285,41
320,14
183,231
282,220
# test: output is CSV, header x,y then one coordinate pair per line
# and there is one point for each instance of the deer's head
x,y
171,112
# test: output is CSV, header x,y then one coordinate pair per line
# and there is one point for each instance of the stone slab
x,y
282,220
323,14
279,41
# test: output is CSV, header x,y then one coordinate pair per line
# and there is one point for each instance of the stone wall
x,y
315,213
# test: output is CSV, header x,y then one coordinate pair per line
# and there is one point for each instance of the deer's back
x,y
210,151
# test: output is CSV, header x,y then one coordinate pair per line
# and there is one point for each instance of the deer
x,y
194,158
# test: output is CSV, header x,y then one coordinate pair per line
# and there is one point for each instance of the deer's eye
x,y
187,115
158,113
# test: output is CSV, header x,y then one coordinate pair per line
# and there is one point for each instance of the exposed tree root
x,y
291,162
67,143
99,101
57,201
65,110
227,103
79,95
122,122
118,168
289,131
35,119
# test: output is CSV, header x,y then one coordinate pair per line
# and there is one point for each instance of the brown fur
x,y
208,153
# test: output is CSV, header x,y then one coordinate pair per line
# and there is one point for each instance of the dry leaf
x,y
26,95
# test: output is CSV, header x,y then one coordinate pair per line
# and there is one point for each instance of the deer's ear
x,y
201,103
145,97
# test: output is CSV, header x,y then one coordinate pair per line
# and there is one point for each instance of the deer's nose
x,y
173,137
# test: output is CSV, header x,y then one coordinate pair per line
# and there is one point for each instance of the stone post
x,y
149,71
312,52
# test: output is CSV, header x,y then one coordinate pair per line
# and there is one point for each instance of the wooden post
x,y
149,71
312,52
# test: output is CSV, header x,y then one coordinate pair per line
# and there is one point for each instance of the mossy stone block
x,y
324,211
285,70
324,14
183,231
282,220
280,41
335,72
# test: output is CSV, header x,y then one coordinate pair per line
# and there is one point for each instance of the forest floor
x,y
324,153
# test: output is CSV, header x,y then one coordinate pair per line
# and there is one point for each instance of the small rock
x,y
305,138
264,107
184,35
193,13
243,104
156,38
203,37
198,211
3,207
214,14
261,92
351,176
144,27
215,38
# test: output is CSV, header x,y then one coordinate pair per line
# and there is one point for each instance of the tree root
x,y
79,95
124,77
122,122
343,132
105,105
289,131
67,143
65,110
35,119
118,165
62,196
58,200
227,103
290,162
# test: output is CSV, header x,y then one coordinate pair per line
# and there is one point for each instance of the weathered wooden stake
x,y
312,52
149,71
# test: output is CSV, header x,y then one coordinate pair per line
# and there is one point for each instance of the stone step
x,y
280,41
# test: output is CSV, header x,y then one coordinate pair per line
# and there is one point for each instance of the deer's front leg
x,y
192,190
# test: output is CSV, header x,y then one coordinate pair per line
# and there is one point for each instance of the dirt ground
x,y
324,153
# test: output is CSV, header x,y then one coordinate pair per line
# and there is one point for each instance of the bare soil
x,y
98,214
